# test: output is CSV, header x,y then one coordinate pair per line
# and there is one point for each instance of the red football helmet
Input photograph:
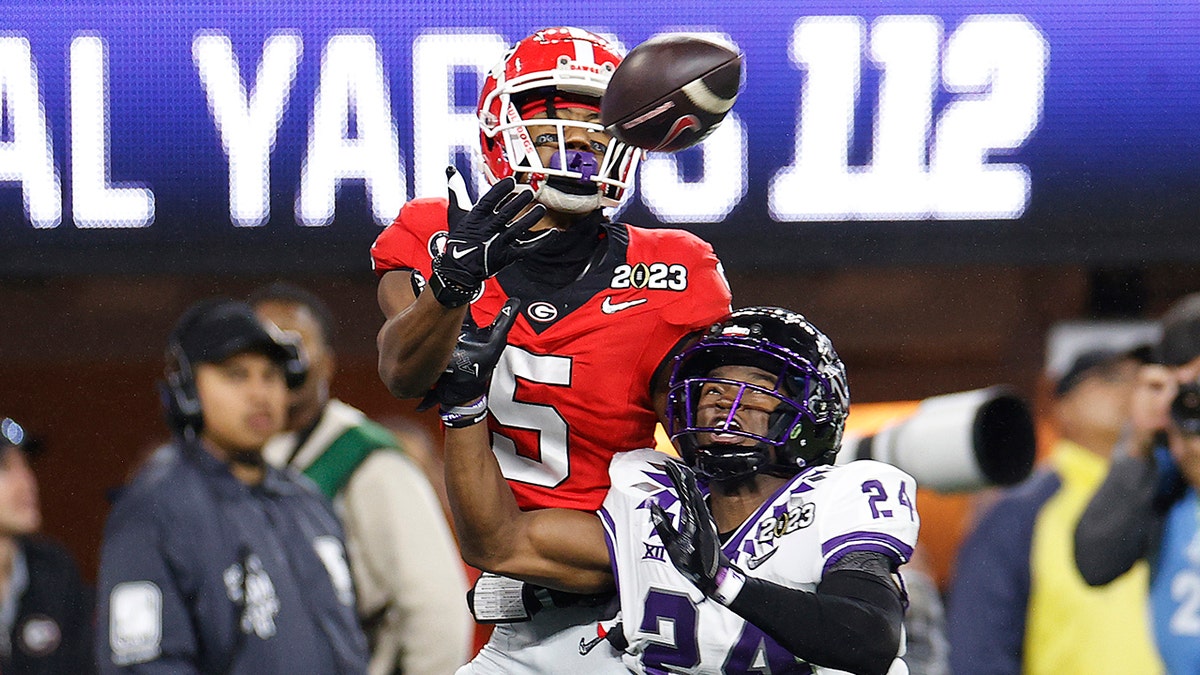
x,y
563,64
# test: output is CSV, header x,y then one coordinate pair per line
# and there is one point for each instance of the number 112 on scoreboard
x,y
991,69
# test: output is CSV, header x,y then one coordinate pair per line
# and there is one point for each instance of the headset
x,y
178,390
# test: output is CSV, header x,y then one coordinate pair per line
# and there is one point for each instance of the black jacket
x,y
201,573
53,629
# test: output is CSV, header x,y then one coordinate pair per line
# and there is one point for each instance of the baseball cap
x,y
1087,363
211,331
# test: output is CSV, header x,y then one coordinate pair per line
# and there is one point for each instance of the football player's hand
x,y
475,356
695,548
487,237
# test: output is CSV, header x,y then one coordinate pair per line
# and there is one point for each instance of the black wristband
x,y
448,293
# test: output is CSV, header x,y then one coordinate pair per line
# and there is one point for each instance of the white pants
x,y
548,643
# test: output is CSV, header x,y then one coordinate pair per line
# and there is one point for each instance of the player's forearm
x,y
556,548
484,508
851,623
415,345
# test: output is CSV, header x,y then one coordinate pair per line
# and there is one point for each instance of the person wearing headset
x,y
212,560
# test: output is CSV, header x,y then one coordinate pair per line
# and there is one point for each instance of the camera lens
x,y
1185,409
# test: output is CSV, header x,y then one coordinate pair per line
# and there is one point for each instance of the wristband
x,y
497,599
449,293
730,581
460,416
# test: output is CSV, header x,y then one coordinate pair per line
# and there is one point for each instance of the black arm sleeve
x,y
852,622
1120,521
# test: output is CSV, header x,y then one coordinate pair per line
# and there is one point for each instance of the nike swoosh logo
x,y
610,307
755,563
460,252
586,646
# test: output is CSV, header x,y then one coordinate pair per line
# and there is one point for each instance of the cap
x,y
1087,363
211,331
1180,341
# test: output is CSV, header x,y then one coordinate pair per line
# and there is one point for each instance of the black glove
x,y
484,240
694,549
475,355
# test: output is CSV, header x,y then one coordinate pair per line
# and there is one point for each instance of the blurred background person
x,y
927,650
1016,602
1146,508
214,561
410,580
45,608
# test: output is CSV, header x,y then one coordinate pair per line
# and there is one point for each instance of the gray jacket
x,y
202,574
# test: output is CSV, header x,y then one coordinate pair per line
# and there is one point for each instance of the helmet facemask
x,y
573,180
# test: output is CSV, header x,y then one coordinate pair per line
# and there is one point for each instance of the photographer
x,y
1147,506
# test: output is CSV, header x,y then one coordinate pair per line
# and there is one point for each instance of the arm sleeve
x,y
142,622
988,599
406,554
852,622
1120,521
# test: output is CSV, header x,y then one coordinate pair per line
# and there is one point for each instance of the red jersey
x,y
573,385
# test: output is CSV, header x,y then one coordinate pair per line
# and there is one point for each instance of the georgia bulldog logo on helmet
x,y
564,66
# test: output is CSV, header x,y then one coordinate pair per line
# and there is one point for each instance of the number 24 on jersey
x,y
886,504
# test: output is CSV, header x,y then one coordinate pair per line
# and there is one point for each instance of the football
x,y
671,91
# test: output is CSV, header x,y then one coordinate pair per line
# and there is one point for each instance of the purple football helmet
x,y
804,429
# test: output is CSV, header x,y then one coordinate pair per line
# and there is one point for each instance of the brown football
x,y
671,91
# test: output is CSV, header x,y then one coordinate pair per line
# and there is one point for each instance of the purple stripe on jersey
x,y
748,547
610,536
794,485
899,549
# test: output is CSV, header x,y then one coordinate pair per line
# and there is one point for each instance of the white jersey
x,y
817,518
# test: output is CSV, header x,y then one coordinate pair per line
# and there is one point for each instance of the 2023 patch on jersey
x,y
822,514
573,386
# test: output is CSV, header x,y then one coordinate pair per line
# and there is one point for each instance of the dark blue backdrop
x,y
1108,93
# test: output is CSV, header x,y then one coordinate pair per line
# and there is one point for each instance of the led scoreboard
x,y
265,136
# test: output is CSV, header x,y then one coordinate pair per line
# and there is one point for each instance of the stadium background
x,y
1045,153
